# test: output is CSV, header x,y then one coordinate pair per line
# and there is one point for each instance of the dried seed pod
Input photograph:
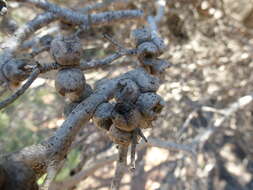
x,y
80,96
119,137
86,92
141,35
150,105
127,117
66,50
155,66
14,71
102,117
147,50
126,91
145,81
159,42
68,108
70,81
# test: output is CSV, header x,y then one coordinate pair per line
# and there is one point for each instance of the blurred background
x,y
208,92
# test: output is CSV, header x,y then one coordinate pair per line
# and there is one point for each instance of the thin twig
x,y
120,167
21,90
99,5
133,149
114,42
93,64
202,137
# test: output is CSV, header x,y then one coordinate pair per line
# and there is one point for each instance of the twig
x,y
202,137
120,167
76,18
153,142
114,42
34,74
185,124
93,64
94,6
52,171
133,149
26,30
21,90
160,5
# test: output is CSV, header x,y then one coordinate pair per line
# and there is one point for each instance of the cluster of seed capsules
x,y
134,104
70,81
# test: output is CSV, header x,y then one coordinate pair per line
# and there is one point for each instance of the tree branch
x,y
21,90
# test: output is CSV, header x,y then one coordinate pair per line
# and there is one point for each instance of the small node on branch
x,y
70,83
66,50
127,91
102,117
150,105
14,71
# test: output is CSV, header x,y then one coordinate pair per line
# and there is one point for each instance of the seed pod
x,y
80,96
155,66
86,92
145,81
147,50
102,117
14,71
119,137
66,50
150,105
127,117
159,42
141,35
126,91
70,82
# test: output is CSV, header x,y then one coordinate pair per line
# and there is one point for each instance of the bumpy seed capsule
x,y
127,91
150,105
66,50
141,35
102,117
144,80
127,117
80,96
120,137
147,50
70,81
14,71
159,42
